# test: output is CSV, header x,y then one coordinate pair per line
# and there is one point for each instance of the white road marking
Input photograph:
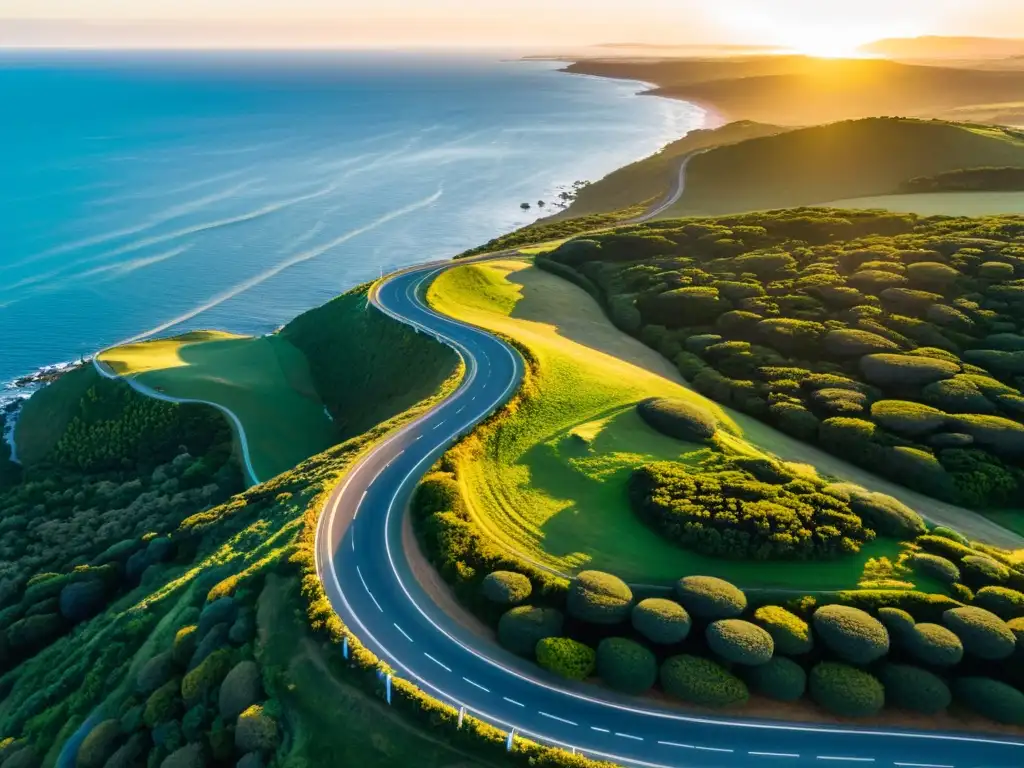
x,y
368,590
441,424
559,719
713,749
353,541
442,666
460,410
848,759
513,701
628,736
485,690
418,437
922,765
599,730
676,744
777,754
404,633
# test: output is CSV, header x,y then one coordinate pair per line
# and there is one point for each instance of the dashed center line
x,y
922,765
368,590
441,424
513,701
555,717
485,690
713,749
404,633
777,754
460,410
628,736
676,744
442,666
847,759
599,730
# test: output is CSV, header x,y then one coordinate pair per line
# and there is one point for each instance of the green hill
x,y
849,159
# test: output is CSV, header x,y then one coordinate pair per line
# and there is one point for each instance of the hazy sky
x,y
829,26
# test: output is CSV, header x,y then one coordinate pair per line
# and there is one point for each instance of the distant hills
x,y
937,47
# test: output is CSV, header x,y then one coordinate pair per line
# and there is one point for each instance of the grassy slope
x,y
360,361
941,203
650,179
551,482
833,162
264,381
46,415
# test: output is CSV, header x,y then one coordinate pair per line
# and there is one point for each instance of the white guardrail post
x,y
462,714
508,742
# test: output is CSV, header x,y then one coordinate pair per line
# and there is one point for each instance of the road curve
x,y
361,564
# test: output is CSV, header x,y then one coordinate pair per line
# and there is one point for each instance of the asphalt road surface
x,y
368,580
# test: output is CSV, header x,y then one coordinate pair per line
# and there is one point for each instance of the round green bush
x,y
1003,602
625,665
185,641
740,642
207,676
934,566
220,611
932,275
851,342
566,657
886,515
957,395
907,418
437,492
98,745
781,679
163,704
995,270
905,371
845,690
990,698
949,533
242,688
851,633
661,620
521,628
599,598
1004,437
81,600
899,623
702,681
255,731
155,672
678,418
791,634
708,597
934,644
1017,627
189,756
982,569
913,688
982,633
506,587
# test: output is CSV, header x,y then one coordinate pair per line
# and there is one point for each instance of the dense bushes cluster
x,y
732,513
893,341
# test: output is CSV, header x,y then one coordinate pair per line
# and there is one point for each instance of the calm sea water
x,y
155,194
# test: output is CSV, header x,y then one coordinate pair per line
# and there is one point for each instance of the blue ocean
x,y
152,194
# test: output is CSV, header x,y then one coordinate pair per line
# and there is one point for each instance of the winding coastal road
x,y
361,562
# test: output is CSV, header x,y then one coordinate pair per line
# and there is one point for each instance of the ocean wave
x,y
291,261
156,192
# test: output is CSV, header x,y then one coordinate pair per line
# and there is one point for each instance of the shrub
x,y
710,598
220,611
692,305
905,371
932,274
790,633
990,698
853,634
957,395
189,756
922,606
599,598
701,681
521,628
98,745
949,533
995,270
437,492
81,600
906,301
913,688
207,676
1002,436
951,549
566,657
781,679
982,569
845,690
740,642
240,690
792,336
678,418
907,418
852,342
155,672
982,633
1003,602
32,633
255,731
935,567
506,587
661,620
626,665
886,515
184,645
874,281
934,644
898,622
163,704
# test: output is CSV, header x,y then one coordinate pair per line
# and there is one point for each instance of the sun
x,y
828,42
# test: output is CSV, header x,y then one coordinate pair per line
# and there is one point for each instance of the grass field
x,y
46,414
264,381
942,203
853,159
550,482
